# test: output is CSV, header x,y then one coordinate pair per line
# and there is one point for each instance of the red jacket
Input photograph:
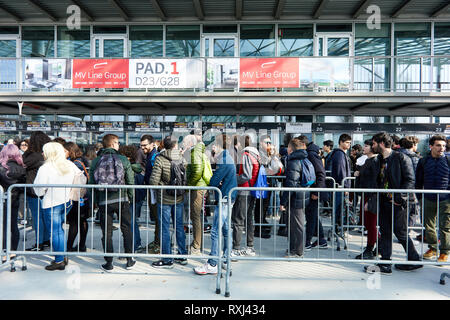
x,y
254,169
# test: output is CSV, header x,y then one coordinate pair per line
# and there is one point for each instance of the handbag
x,y
76,193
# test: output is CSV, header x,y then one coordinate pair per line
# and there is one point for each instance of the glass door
x,y
109,46
9,48
333,45
220,45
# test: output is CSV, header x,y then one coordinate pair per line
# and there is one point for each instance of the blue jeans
x,y
136,232
35,206
215,233
164,216
54,218
337,204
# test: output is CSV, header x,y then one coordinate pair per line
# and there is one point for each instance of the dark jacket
x,y
368,175
13,175
298,200
313,156
139,194
224,177
433,174
340,166
113,196
414,157
33,161
150,162
400,175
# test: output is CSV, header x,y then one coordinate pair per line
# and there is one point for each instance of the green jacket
x,y
194,170
161,175
113,196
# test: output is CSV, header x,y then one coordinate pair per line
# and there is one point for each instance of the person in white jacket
x,y
56,201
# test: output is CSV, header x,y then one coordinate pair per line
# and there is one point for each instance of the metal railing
x,y
365,74
363,192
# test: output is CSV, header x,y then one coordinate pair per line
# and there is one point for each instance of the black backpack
x,y
177,177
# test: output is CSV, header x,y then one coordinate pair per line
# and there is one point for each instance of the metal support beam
x,y
441,9
277,106
83,9
320,9
45,11
10,13
40,106
123,12
401,8
402,106
123,106
239,9
445,106
363,5
85,105
279,9
238,106
8,105
317,106
158,10
159,105
200,106
360,106
199,9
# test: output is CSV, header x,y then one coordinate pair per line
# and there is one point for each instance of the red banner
x,y
100,73
269,73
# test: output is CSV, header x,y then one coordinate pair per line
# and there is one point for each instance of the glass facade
x,y
183,41
257,40
295,40
38,41
8,48
74,43
146,41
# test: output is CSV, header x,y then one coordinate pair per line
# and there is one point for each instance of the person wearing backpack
x,y
199,173
299,174
112,168
170,170
78,215
243,210
433,173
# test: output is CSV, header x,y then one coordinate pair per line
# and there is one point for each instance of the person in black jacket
x,y
396,172
297,201
12,171
33,160
312,210
366,178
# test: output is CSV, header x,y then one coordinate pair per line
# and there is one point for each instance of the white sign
x,y
300,127
110,126
48,73
166,73
73,126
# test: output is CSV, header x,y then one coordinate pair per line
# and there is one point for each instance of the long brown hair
x,y
74,150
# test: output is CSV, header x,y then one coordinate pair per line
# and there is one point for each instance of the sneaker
x,y
443,257
46,243
107,267
366,255
308,247
36,248
382,268
162,264
194,251
235,253
431,254
291,254
182,261
249,251
205,269
207,228
139,249
323,245
56,266
408,267
130,264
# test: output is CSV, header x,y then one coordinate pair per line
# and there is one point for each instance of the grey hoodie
x,y
247,166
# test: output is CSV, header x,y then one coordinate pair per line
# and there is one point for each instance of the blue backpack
x,y
261,182
308,173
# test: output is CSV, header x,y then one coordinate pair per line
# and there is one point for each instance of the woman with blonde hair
x,y
56,201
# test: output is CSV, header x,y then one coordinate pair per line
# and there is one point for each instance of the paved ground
x,y
255,280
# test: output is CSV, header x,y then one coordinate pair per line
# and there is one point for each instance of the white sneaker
x,y
205,269
235,253
249,251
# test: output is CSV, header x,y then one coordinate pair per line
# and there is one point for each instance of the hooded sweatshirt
x,y
249,167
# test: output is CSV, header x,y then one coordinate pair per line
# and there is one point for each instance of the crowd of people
x,y
384,162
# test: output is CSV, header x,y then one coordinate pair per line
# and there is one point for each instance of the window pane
x,y
375,42
223,47
220,29
146,41
145,118
334,28
412,39
113,48
338,47
38,41
183,41
108,118
8,48
73,117
370,119
333,119
412,119
257,40
295,40
74,43
442,38
9,30
110,29
219,118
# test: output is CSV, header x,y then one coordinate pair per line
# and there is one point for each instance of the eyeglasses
x,y
144,145
24,145
267,142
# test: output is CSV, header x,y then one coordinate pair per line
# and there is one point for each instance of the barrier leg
x,y
443,275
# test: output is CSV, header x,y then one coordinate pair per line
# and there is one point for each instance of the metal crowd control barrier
x,y
124,215
376,259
